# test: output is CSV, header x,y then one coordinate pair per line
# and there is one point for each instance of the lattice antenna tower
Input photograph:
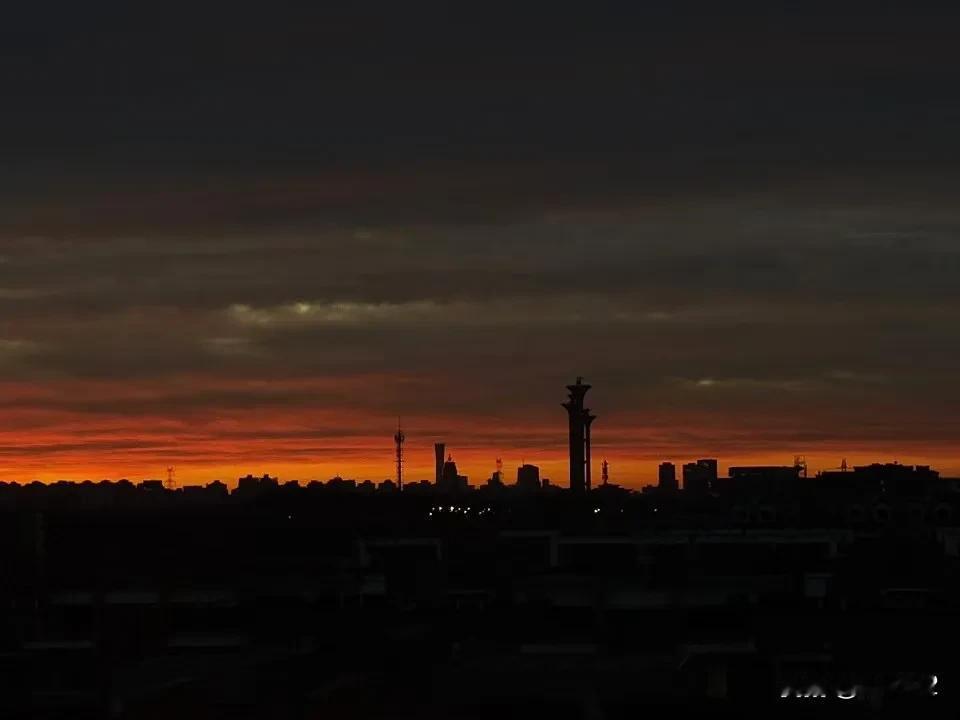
x,y
399,439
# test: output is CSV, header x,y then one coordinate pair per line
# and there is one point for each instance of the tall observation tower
x,y
580,421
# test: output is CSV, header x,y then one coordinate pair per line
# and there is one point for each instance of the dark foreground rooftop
x,y
298,602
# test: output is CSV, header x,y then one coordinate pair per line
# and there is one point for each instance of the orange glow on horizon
x,y
372,459
313,429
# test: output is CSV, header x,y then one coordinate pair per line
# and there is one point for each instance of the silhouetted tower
x,y
580,419
843,465
499,469
171,479
439,450
800,463
587,422
399,439
604,472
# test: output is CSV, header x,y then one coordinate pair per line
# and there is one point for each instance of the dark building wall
x,y
448,477
700,476
667,476
709,466
878,478
439,449
761,479
528,477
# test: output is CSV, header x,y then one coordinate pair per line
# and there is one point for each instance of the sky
x,y
247,240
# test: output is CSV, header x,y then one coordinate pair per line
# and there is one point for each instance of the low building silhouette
x,y
341,485
251,486
760,480
881,479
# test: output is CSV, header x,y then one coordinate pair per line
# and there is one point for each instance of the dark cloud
x,y
731,213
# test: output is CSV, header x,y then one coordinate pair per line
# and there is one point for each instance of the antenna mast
x,y
399,439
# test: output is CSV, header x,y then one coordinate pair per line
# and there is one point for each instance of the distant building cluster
x,y
697,479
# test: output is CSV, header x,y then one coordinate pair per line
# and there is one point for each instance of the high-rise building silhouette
x,y
528,477
667,476
449,475
700,477
451,480
580,421
439,450
496,480
709,466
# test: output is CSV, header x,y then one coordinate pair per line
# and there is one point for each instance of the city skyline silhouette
x,y
574,474
635,465
750,590
451,361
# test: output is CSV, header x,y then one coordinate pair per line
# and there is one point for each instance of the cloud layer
x,y
255,252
